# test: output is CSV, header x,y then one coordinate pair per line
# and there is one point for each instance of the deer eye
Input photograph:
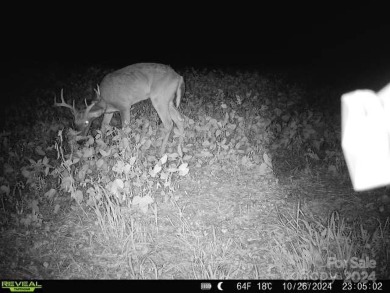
x,y
86,122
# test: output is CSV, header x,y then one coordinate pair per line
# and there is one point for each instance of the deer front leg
x,y
125,118
106,121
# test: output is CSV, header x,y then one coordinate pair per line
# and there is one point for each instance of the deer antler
x,y
63,104
97,90
89,107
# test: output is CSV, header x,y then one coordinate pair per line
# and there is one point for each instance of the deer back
x,y
125,87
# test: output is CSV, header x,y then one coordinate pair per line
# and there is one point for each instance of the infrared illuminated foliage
x,y
231,121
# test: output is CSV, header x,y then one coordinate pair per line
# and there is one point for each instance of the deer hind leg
x,y
165,116
178,119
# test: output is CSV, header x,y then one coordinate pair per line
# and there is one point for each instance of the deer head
x,y
125,87
82,118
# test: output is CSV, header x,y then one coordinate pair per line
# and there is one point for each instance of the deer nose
x,y
82,130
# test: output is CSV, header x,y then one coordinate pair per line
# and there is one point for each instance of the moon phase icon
x,y
219,286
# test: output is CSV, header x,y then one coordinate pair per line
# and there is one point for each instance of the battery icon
x,y
205,286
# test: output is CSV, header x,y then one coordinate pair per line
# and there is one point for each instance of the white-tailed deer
x,y
121,89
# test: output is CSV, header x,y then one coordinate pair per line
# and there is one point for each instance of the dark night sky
x,y
337,42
